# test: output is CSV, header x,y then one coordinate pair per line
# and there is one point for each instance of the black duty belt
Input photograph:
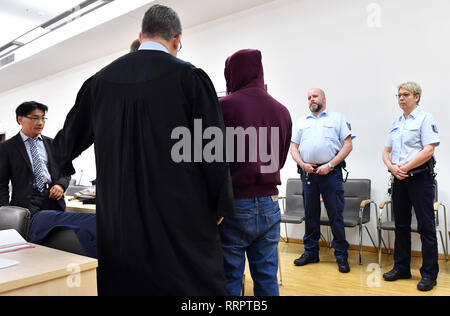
x,y
342,165
426,167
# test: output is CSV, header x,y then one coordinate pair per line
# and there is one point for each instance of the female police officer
x,y
409,149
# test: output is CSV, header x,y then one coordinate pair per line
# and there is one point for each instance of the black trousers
x,y
417,192
40,201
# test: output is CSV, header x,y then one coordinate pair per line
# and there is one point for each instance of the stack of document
x,y
11,240
88,193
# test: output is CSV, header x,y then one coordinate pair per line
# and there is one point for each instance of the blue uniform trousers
x,y
417,192
84,226
332,190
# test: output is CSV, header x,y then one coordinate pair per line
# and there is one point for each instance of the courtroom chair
x,y
14,217
357,208
388,223
65,239
292,204
293,210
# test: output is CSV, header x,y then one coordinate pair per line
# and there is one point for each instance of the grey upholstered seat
x,y
293,208
13,217
357,208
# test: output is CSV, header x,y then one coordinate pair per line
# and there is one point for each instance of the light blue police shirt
x,y
321,138
42,154
153,46
407,137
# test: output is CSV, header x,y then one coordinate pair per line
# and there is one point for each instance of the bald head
x,y
317,100
317,91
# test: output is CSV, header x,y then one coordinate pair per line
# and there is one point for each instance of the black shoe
x,y
343,265
426,284
395,275
305,259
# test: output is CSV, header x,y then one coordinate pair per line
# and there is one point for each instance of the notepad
x,y
11,240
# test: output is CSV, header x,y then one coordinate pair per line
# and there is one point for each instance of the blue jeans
x,y
255,230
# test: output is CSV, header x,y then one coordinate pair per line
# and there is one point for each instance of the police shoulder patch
x,y
435,129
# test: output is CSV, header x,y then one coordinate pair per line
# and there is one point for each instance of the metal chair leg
x,y
380,238
324,240
286,230
370,236
443,245
360,244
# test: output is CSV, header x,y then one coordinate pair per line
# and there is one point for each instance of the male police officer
x,y
320,143
409,150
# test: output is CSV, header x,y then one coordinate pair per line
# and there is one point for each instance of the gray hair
x,y
161,21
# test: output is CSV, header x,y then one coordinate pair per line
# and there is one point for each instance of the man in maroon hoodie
x,y
258,138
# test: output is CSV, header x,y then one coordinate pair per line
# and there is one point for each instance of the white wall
x,y
58,92
357,51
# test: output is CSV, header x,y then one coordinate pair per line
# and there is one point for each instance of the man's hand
x,y
323,170
56,192
309,168
399,172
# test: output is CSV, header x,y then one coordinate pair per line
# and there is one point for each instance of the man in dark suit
x,y
37,183
17,165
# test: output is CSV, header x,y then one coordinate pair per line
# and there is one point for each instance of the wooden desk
x,y
44,271
79,207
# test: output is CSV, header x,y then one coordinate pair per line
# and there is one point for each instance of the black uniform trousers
x,y
417,192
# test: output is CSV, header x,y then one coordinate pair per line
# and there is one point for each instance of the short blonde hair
x,y
412,87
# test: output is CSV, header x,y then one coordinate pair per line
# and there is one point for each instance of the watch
x,y
331,166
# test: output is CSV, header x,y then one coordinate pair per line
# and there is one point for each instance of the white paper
x,y
11,240
13,248
6,263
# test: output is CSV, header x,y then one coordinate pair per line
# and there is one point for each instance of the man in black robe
x,y
156,218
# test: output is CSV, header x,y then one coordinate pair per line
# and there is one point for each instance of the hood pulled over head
x,y
244,69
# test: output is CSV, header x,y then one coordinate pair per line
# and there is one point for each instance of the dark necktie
x,y
37,165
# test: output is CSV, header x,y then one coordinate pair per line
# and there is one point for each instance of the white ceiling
x,y
96,42
20,16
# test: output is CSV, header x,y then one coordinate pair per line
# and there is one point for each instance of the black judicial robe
x,y
156,219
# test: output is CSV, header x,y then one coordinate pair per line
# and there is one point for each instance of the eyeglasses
x,y
405,95
37,119
180,46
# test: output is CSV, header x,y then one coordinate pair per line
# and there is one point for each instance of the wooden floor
x,y
324,279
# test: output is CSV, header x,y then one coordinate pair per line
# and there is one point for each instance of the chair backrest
x,y
356,191
294,196
13,217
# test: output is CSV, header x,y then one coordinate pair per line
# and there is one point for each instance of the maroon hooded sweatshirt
x,y
248,105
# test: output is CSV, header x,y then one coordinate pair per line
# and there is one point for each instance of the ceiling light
x,y
8,48
32,35
75,13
